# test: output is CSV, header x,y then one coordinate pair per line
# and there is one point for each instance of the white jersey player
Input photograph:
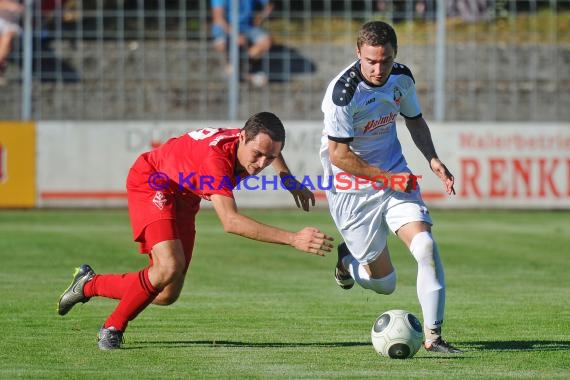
x,y
373,190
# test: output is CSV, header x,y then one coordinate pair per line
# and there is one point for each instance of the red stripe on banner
x,y
320,195
432,195
83,195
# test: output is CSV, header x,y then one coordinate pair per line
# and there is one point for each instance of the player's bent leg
x,y
169,294
385,285
139,295
381,266
378,276
109,285
168,270
167,267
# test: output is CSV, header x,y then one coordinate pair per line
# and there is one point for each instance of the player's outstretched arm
x,y
304,198
309,239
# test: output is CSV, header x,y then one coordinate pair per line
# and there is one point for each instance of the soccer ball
x,y
397,334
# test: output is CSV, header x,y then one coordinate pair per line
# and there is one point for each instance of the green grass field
x,y
254,310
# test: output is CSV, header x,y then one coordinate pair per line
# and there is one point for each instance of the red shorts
x,y
159,215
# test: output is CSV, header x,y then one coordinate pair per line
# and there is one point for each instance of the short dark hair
x,y
377,33
265,122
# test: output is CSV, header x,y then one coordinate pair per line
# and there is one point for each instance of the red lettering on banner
x,y
497,185
520,141
522,170
469,177
546,177
521,178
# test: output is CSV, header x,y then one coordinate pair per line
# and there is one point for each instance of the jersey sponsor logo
x,y
384,120
370,101
397,95
159,200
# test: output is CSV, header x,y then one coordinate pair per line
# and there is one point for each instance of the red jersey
x,y
202,162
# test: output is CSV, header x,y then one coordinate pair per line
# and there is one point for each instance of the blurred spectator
x,y
252,38
10,12
55,14
401,10
468,10
51,17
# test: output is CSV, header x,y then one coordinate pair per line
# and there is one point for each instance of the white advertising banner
x,y
499,165
496,165
85,164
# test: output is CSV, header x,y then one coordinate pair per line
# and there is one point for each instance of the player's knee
x,y
167,297
384,285
421,246
170,273
170,293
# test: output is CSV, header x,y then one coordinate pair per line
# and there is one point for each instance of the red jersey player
x,y
164,188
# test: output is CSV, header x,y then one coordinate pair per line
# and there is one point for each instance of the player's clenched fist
x,y
312,240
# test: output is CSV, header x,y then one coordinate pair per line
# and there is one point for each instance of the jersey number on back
x,y
202,134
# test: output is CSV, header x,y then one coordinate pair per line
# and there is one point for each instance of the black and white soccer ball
x,y
397,334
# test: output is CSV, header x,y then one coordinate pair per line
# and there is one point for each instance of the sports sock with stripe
x,y
137,297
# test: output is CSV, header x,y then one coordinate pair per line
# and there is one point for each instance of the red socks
x,y
133,289
109,285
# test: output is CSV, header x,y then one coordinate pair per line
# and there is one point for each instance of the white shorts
x,y
363,219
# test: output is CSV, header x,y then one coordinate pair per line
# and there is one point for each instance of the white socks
x,y
384,285
430,281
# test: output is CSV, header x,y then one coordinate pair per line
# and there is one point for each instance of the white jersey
x,y
364,116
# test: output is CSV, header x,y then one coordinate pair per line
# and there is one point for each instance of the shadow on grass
x,y
227,343
519,345
509,345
